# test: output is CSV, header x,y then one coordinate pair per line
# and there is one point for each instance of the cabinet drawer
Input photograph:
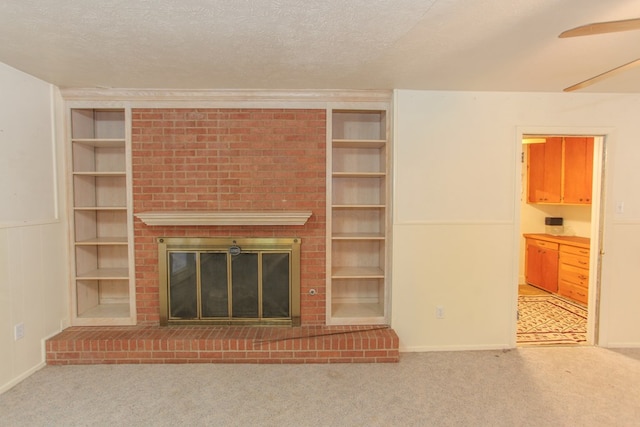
x,y
575,250
573,291
575,260
572,274
543,244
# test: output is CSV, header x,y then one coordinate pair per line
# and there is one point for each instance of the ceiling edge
x,y
142,96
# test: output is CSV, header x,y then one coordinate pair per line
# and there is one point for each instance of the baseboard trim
x,y
22,377
424,349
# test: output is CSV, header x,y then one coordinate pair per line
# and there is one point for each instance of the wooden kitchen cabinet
x,y
541,264
545,171
578,170
560,171
558,264
573,274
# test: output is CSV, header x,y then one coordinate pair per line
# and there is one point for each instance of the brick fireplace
x,y
230,159
216,160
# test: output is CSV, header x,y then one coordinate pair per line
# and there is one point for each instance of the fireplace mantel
x,y
195,218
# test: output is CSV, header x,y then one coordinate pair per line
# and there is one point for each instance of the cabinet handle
x,y
582,262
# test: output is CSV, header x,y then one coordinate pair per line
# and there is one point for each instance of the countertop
x,y
582,242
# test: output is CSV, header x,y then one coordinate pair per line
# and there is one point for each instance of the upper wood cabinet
x,y
545,166
578,170
560,171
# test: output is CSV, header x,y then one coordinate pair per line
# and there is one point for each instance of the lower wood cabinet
x,y
573,273
558,265
542,264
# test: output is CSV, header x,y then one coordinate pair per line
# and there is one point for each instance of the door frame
x,y
603,138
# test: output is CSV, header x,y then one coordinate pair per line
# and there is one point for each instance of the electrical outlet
x,y
620,207
439,312
18,331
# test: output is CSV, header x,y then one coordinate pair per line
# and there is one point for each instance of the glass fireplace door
x,y
220,286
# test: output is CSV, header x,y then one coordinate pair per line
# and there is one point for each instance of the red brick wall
x,y
230,159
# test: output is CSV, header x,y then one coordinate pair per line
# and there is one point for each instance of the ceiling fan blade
x,y
602,27
603,76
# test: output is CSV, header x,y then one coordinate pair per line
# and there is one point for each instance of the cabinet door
x,y
541,265
533,264
550,270
578,170
545,166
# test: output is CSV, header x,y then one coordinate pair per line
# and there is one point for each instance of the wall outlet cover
x,y
18,331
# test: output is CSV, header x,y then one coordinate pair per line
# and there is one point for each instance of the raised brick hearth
x,y
201,344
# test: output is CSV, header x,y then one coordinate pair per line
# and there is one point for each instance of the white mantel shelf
x,y
195,218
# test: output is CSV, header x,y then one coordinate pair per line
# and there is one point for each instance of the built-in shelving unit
x,y
102,291
359,214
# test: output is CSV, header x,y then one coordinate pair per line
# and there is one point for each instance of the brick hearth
x,y
202,344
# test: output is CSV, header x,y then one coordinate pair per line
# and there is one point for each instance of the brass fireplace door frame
x,y
166,245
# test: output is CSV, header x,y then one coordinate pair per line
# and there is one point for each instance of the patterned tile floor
x,y
547,319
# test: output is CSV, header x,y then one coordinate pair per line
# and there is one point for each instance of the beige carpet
x,y
549,319
529,386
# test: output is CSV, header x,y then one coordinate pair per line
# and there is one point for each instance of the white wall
x,y
456,212
26,197
33,248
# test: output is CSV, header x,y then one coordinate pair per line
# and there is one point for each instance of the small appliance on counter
x,y
553,225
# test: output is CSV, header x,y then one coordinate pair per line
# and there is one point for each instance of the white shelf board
x,y
119,241
358,143
357,273
357,313
361,206
94,173
107,311
100,142
357,236
105,274
100,208
359,174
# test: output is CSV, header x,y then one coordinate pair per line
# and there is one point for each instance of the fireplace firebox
x,y
229,281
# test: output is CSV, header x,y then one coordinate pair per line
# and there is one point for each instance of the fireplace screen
x,y
229,281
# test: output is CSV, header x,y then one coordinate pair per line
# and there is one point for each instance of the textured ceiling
x,y
494,45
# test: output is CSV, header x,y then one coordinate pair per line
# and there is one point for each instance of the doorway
x,y
563,296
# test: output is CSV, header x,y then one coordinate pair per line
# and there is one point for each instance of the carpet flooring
x,y
537,386
549,319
